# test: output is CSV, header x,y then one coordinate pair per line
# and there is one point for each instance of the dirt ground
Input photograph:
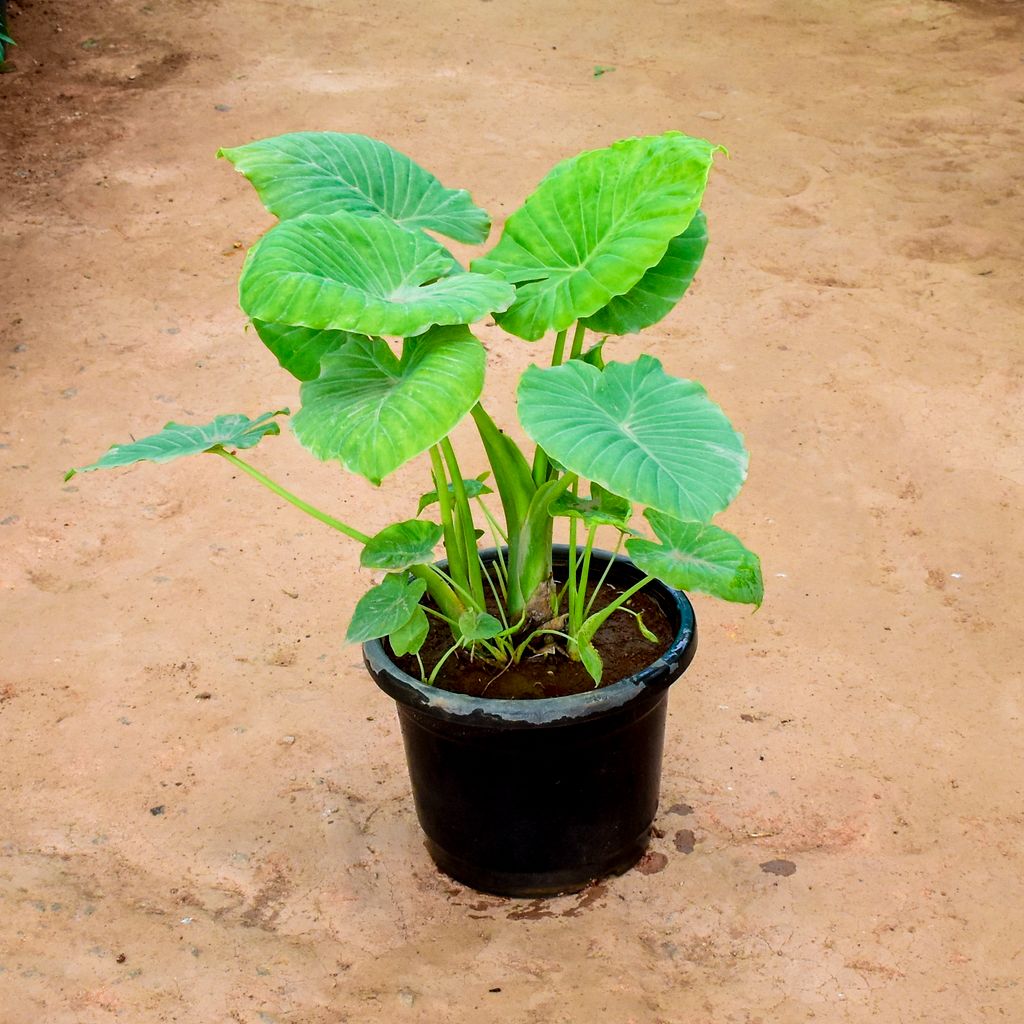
x,y
204,813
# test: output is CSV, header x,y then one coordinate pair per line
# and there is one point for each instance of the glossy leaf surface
x,y
699,556
408,639
322,172
176,440
594,226
385,608
656,293
374,412
402,544
365,275
475,626
602,508
654,439
474,487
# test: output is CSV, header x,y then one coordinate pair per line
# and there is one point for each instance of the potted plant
x,y
530,678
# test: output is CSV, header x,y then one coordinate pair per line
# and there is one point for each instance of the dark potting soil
x,y
547,671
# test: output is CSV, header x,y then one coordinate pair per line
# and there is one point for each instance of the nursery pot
x,y
537,797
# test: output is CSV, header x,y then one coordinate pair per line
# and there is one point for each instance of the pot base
x,y
535,884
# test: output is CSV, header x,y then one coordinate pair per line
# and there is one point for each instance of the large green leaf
x,y
654,439
699,556
385,608
178,439
374,412
400,545
361,274
300,349
656,293
321,172
594,226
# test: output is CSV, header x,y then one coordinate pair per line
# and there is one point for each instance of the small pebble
x,y
710,115
286,740
157,811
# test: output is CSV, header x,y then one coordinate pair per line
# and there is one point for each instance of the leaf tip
x,y
69,474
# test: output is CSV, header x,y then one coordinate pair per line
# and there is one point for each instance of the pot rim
x,y
548,711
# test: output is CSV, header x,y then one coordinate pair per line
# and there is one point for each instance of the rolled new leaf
x,y
373,412
365,275
699,556
176,440
322,172
594,226
654,439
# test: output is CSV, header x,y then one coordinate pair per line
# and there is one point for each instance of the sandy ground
x,y
204,814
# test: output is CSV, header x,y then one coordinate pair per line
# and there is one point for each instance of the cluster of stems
x,y
508,587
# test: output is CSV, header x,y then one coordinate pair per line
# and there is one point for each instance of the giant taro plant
x,y
372,315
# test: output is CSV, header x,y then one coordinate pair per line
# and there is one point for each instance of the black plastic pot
x,y
537,797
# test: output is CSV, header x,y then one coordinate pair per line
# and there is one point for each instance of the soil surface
x,y
545,670
205,815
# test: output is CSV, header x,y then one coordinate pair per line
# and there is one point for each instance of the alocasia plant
x,y
372,315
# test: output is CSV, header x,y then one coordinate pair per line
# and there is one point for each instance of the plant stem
x,y
452,541
604,575
598,618
585,570
464,521
281,492
575,601
557,355
540,457
577,341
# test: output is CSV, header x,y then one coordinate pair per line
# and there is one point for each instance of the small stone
x,y
286,741
406,996
157,811
222,107
710,115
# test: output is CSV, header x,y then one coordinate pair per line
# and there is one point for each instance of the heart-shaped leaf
x,y
179,439
594,226
402,544
474,488
656,293
408,639
602,508
300,349
699,556
374,412
654,439
321,172
475,626
385,608
365,275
